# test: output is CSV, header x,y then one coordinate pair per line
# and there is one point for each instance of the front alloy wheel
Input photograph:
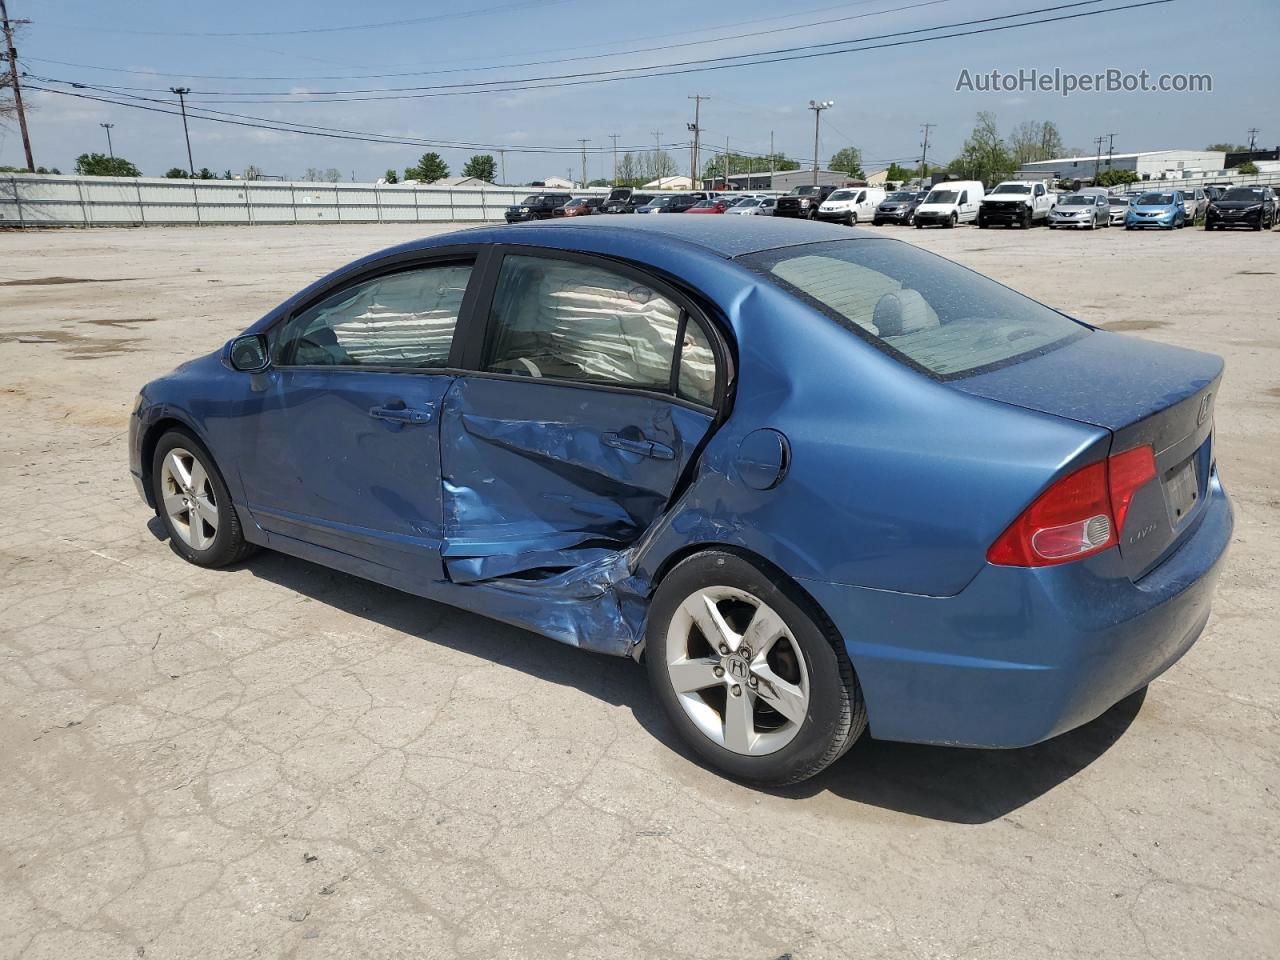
x,y
189,502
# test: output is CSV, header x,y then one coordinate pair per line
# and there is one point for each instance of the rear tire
x,y
194,504
704,614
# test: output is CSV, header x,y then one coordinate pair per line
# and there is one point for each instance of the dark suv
x,y
1253,207
802,201
627,204
538,206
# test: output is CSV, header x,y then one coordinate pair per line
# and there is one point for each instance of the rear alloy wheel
x,y
753,676
192,501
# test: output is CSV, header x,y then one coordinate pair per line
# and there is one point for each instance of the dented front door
x,y
596,389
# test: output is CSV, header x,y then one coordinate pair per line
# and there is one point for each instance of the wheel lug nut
x,y
724,649
718,671
752,681
736,690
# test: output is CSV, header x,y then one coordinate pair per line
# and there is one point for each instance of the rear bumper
x,y
1023,655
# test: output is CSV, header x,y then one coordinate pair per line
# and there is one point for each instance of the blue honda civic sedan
x,y
820,481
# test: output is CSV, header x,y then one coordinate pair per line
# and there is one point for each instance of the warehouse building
x,y
1148,165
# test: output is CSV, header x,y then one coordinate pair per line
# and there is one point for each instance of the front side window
x,y
559,320
403,319
918,306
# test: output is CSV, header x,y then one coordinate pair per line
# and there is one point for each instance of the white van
x,y
848,205
951,202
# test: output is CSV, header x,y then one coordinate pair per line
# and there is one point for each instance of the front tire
x,y
193,503
953,221
750,671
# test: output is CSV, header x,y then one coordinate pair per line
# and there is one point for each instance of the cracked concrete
x,y
280,760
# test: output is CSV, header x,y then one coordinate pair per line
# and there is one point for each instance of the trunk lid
x,y
1143,393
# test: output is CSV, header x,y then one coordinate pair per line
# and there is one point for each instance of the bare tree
x,y
1032,140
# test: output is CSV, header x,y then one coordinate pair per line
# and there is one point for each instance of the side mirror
x,y
249,353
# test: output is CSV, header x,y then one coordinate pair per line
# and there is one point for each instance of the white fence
x,y
28,200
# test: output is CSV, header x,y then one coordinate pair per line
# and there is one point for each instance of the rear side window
x,y
560,320
928,311
403,319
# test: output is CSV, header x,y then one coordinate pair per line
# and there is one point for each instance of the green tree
x,y
1033,140
100,165
629,174
599,182
1228,147
1115,178
1248,168
226,175
900,174
431,167
482,166
205,174
848,160
390,177
177,173
984,156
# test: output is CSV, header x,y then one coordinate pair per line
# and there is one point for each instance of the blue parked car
x,y
820,480
1159,208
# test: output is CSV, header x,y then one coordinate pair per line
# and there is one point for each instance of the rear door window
x,y
565,320
929,312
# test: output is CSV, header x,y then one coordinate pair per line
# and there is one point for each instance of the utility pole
x,y
657,148
584,141
12,54
182,92
727,168
772,161
1097,158
614,138
107,127
1111,148
1253,131
696,129
924,151
817,106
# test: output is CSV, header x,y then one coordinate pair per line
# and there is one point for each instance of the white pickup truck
x,y
1016,203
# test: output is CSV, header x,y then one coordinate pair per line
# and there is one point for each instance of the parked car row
x,y
950,203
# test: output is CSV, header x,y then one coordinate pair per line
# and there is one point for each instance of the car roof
x,y
711,234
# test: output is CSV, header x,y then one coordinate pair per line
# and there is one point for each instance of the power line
x,y
543,63
576,47
288,126
503,8
777,55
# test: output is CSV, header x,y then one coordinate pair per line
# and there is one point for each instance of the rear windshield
x,y
932,313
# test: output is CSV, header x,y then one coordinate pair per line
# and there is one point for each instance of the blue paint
x,y
515,497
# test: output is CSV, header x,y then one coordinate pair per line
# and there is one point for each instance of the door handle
x,y
645,448
400,414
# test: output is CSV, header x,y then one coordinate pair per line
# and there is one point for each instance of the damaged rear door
x,y
595,388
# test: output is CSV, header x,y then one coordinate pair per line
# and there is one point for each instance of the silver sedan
x,y
754,207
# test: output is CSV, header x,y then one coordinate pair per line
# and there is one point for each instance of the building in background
x,y
780,181
1148,165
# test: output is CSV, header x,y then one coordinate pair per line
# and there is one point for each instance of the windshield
x,y
1077,200
917,306
942,196
803,191
747,203
900,197
1155,199
1119,201
1243,193
842,195
1012,188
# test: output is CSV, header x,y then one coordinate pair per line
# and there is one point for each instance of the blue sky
x,y
882,96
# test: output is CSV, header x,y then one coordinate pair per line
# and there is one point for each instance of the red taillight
x,y
1079,515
